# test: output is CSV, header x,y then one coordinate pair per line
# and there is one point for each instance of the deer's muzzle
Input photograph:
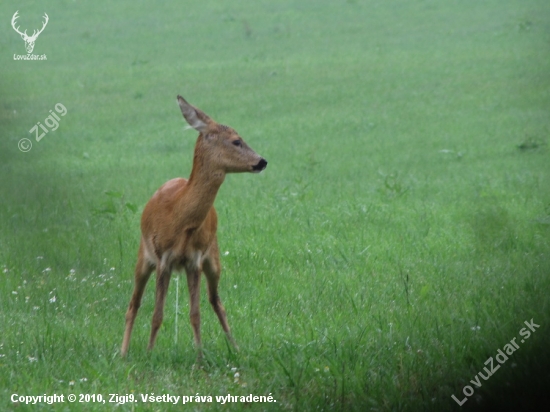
x,y
262,164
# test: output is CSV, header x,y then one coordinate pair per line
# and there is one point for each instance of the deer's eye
x,y
237,142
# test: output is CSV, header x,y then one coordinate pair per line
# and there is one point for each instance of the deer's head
x,y
29,40
220,146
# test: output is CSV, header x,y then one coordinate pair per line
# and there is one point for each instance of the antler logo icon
x,y
29,40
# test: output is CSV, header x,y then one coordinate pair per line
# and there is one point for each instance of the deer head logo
x,y
29,40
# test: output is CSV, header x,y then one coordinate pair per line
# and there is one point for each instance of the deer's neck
x,y
200,192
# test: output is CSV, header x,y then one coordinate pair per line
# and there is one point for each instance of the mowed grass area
x,y
399,237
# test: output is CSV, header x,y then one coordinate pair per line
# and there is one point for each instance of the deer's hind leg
x,y
212,271
143,271
164,272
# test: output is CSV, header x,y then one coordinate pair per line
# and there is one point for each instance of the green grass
x,y
399,237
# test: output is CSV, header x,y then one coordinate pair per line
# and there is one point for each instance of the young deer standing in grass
x,y
178,225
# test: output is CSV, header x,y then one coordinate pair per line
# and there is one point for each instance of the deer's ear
x,y
196,119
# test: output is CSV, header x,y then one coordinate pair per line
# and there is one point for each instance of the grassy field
x,y
398,239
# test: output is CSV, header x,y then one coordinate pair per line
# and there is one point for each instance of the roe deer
x,y
178,225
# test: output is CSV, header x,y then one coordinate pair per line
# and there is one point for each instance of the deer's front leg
x,y
212,271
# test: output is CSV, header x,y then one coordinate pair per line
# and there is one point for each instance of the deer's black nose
x,y
260,166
